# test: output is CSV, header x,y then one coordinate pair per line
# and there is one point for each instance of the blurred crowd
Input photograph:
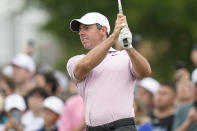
x,y
34,98
168,106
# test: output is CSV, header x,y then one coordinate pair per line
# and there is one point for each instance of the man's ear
x,y
104,29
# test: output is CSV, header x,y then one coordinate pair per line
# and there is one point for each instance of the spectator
x,y
71,90
23,71
194,55
163,113
27,50
32,119
146,89
73,117
186,116
52,109
49,82
141,119
6,88
3,117
14,107
40,80
62,80
183,85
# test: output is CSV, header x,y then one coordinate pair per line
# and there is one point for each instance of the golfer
x,y
104,76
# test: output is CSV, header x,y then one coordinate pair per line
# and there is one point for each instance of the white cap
x,y
54,103
24,61
194,76
150,84
8,70
14,101
62,79
89,19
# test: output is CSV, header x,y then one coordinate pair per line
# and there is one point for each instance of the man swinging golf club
x,y
104,76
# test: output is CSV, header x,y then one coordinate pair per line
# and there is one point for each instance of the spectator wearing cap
x,y
23,71
73,116
14,107
146,89
186,116
52,109
6,88
163,112
32,119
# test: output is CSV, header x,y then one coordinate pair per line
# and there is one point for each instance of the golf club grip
x,y
125,40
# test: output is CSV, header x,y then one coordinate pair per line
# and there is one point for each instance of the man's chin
x,y
86,47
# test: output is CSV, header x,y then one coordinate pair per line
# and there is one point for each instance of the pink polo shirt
x,y
73,113
108,89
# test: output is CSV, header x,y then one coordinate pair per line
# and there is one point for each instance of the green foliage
x,y
174,21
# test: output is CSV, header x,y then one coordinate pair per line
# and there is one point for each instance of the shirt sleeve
x,y
131,69
130,63
71,66
180,116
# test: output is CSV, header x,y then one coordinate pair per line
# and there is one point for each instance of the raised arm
x,y
191,119
141,67
97,54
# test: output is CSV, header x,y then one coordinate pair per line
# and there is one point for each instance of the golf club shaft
x,y
120,7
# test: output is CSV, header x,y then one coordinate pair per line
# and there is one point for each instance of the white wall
x,y
18,27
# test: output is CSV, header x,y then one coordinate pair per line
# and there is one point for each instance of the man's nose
x,y
81,32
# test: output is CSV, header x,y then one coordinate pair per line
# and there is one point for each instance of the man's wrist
x,y
112,38
129,49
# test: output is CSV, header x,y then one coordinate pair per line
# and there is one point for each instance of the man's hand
x,y
12,124
28,49
120,23
122,33
192,116
182,75
125,38
191,119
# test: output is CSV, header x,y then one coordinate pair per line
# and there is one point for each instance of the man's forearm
x,y
185,126
93,58
141,67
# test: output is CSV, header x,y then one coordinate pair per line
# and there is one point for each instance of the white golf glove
x,y
125,38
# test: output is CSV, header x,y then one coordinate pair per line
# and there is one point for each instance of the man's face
x,y
164,97
145,96
35,102
20,75
184,92
90,36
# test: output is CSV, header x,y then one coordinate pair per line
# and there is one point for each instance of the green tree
x,y
170,24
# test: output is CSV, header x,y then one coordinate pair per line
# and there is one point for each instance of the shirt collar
x,y
112,50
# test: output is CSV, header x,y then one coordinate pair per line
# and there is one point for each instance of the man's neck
x,y
164,112
36,113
